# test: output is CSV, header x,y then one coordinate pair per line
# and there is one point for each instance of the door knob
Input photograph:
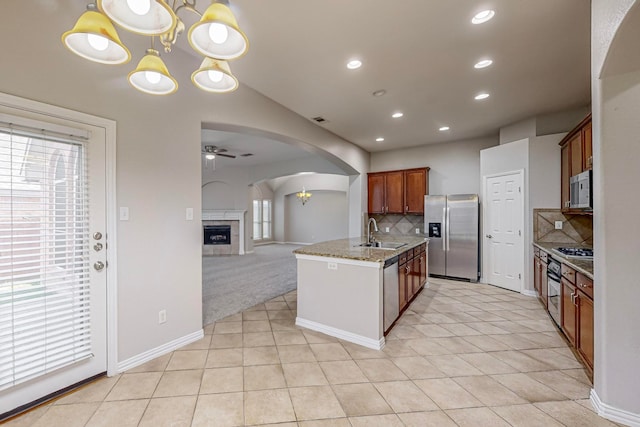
x,y
98,266
489,236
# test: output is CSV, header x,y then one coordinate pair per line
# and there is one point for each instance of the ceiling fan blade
x,y
226,155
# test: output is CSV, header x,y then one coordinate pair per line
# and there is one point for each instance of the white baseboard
x,y
148,355
343,335
614,414
298,243
529,293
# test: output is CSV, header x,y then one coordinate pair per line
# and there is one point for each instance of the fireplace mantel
x,y
228,215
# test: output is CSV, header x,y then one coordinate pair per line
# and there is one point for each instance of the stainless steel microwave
x,y
580,191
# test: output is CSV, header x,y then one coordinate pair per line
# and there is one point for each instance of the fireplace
x,y
217,234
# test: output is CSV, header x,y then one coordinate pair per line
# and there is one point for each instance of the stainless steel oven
x,y
553,289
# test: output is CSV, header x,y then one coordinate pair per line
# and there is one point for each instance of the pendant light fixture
x,y
214,76
95,38
146,17
216,36
152,76
303,196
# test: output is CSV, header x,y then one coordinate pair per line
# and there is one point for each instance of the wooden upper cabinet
x,y
398,192
576,154
564,179
587,147
576,157
395,196
376,193
415,188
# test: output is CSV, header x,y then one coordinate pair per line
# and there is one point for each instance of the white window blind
x,y
44,257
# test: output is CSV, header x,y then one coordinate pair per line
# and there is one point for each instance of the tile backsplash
x,y
398,224
575,228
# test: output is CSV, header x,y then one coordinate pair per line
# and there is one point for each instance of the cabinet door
x,y
394,192
375,187
564,178
415,273
585,328
568,309
415,188
402,283
423,268
544,286
576,154
536,276
587,149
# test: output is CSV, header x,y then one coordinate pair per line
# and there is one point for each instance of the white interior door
x,y
503,233
53,317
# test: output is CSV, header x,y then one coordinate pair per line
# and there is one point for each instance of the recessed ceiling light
x,y
353,64
379,92
482,17
379,139
397,115
483,64
481,96
444,128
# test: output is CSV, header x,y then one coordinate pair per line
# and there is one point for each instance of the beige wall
x,y
158,161
616,148
455,166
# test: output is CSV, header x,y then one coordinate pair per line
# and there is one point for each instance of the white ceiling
x,y
422,53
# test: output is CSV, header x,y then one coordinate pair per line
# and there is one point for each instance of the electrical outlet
x,y
558,225
189,214
417,231
162,316
332,266
386,229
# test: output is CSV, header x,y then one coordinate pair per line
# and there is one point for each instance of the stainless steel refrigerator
x,y
451,222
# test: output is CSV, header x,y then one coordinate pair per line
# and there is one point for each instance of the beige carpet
x,y
233,283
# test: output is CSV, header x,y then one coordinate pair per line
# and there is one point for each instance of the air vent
x,y
246,155
319,119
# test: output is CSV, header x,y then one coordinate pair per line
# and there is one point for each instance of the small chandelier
x,y
303,196
216,36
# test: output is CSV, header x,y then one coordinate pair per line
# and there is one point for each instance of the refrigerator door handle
x,y
444,228
448,225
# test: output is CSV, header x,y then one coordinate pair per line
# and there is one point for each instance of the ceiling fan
x,y
211,151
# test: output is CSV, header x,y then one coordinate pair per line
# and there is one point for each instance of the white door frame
x,y
59,113
485,247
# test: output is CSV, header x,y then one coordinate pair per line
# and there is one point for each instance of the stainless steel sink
x,y
383,245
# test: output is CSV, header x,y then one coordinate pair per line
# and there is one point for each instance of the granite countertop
x,y
349,249
584,266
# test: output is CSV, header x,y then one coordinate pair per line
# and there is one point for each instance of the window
x,y
261,219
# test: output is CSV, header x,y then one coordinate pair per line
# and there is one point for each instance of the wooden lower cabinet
x,y
585,328
412,272
568,315
540,277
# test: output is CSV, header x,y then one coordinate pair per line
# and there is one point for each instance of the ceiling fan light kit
x,y
216,36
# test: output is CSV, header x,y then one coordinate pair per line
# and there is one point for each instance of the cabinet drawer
x,y
409,254
402,258
543,257
568,273
584,284
423,247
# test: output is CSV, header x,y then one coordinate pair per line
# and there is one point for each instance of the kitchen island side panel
x,y
347,298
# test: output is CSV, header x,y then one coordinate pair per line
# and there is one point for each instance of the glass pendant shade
x,y
95,38
214,76
217,34
147,17
151,76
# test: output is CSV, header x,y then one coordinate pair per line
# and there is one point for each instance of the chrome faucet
x,y
375,227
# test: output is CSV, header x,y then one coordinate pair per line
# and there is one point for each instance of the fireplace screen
x,y
217,234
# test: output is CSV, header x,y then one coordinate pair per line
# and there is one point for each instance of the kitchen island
x,y
341,286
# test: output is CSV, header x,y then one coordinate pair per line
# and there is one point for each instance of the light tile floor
x,y
461,355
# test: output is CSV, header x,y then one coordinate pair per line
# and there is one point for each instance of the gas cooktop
x,y
582,253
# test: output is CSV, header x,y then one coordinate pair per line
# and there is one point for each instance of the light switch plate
x,y
558,225
417,231
124,213
386,229
189,214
